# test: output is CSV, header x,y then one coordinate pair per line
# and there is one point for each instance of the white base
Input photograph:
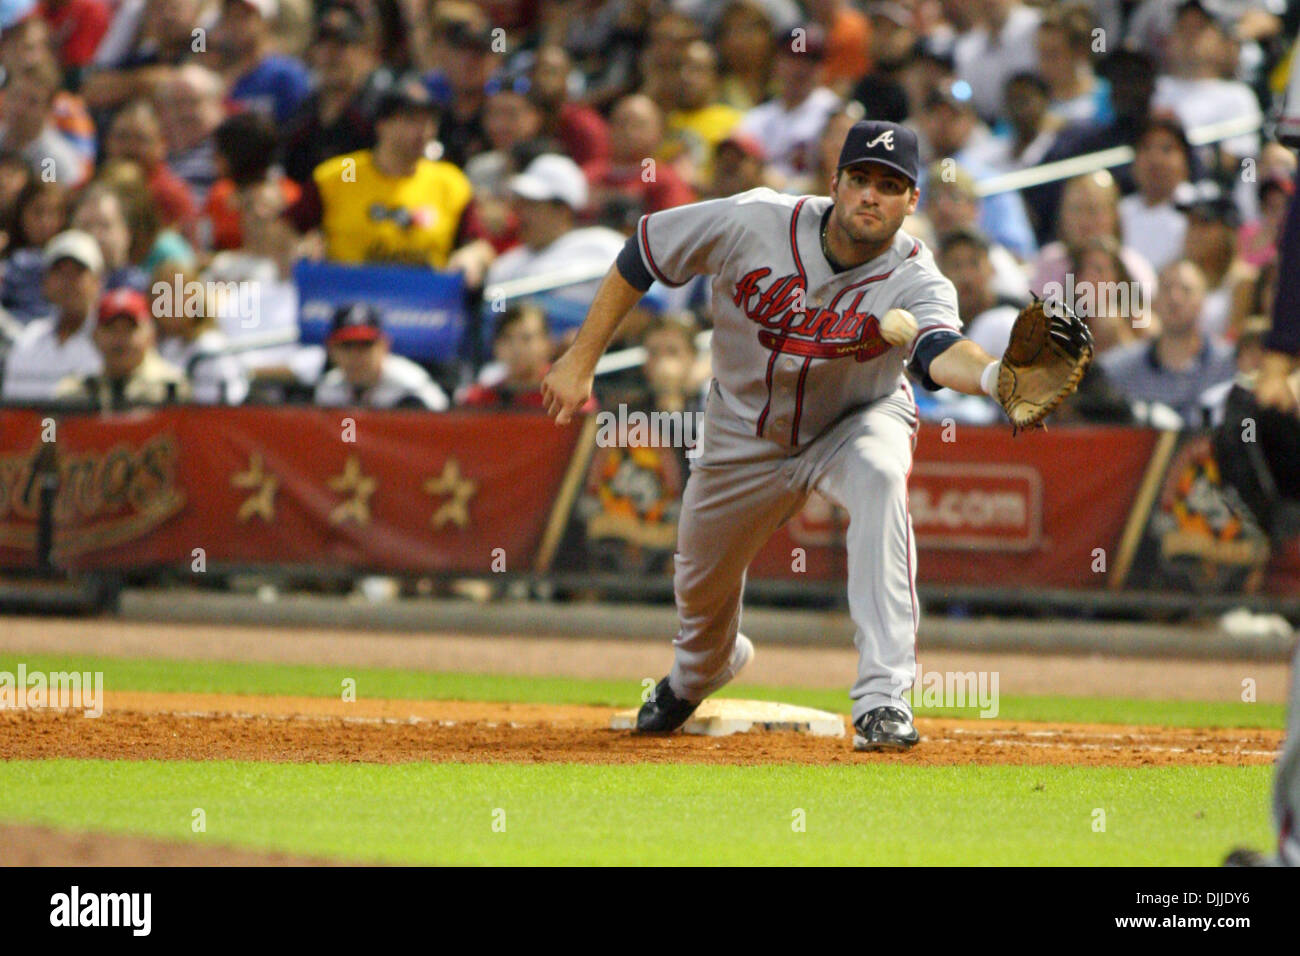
x,y
719,718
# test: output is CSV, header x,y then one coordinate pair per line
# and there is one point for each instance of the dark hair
x,y
963,237
516,314
247,141
30,193
681,324
1032,79
1157,122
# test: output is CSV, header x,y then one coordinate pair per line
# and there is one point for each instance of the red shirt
x,y
503,396
76,27
666,191
585,135
173,198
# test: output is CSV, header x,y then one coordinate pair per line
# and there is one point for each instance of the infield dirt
x,y
164,726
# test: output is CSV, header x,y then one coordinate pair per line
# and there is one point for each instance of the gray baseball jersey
x,y
807,396
795,344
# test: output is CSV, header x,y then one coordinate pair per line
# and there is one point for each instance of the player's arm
x,y
964,367
671,246
567,386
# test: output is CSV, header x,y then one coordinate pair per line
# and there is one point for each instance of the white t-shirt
x,y
790,135
1204,101
38,361
400,380
1157,232
986,62
596,246
991,329
216,377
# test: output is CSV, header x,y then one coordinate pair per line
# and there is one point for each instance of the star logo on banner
x,y
263,484
359,486
459,489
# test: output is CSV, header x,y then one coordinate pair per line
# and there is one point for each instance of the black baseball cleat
x,y
1244,856
885,728
664,712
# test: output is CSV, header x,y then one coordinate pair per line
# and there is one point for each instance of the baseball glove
x,y
1049,350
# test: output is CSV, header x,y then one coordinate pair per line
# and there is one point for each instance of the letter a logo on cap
x,y
886,138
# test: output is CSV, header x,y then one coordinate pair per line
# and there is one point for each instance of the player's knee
x,y
879,479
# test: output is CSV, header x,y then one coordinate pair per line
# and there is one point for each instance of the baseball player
x,y
818,305
1277,392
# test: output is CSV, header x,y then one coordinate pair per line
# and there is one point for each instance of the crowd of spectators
x,y
157,154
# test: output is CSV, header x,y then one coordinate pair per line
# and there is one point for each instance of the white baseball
x,y
898,327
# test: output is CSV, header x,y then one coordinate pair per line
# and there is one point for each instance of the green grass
x,y
317,681
866,813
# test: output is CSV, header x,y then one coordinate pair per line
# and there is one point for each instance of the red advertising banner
x,y
399,491
990,509
23,453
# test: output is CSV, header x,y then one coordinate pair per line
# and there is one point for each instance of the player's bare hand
x,y
1273,388
566,387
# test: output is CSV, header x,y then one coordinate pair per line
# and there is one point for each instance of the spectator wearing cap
x,y
245,152
146,42
27,123
579,129
1064,45
366,374
191,107
953,132
40,213
698,121
621,192
79,25
1180,363
510,120
52,348
1191,85
391,203
952,204
522,348
790,123
986,317
136,135
999,44
470,63
133,372
548,197
1149,221
338,116
746,51
739,165
190,339
513,123
260,78
880,90
1211,243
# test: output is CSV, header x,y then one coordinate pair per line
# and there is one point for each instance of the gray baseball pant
x,y
743,488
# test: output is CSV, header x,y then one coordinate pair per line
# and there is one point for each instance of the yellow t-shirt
x,y
695,134
370,217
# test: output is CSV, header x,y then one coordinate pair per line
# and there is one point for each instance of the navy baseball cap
x,y
356,323
881,142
